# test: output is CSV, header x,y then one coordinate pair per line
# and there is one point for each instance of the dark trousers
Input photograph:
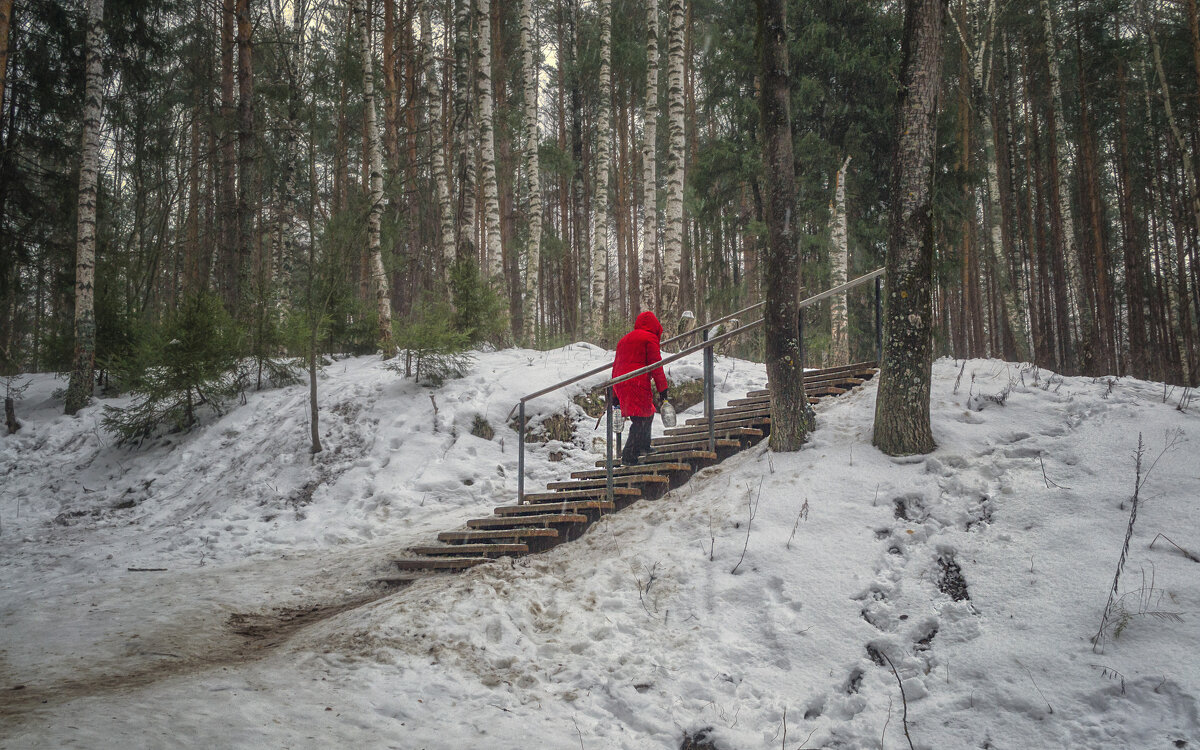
x,y
639,440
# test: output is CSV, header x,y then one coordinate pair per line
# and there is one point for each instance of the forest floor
x,y
221,586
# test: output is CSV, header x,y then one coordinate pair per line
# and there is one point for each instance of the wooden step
x,y
618,470
668,457
739,416
574,506
624,479
501,522
726,428
580,494
439,563
694,443
470,550
464,538
825,390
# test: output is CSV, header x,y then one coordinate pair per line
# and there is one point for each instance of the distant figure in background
x,y
635,350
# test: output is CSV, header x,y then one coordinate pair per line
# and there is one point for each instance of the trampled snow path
x,y
632,636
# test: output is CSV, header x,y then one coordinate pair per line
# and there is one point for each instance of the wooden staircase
x,y
567,508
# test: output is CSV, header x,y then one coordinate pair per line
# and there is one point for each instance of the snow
x,y
218,587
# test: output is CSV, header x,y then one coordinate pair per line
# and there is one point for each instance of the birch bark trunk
x,y
839,261
600,192
648,275
433,100
374,158
79,389
532,65
493,252
673,236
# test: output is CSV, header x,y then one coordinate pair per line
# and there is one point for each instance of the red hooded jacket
x,y
635,350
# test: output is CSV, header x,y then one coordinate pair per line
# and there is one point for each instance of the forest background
x,y
278,178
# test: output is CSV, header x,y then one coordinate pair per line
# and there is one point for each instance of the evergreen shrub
x,y
431,349
189,363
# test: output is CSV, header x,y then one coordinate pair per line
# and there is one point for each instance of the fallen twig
x,y
903,698
1186,554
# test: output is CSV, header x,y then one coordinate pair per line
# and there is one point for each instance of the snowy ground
x,y
217,588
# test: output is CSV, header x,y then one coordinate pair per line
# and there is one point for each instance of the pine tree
x,y
902,407
791,416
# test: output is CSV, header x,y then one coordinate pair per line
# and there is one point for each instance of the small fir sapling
x,y
434,351
189,363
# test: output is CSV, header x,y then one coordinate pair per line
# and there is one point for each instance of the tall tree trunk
x,y
433,100
463,148
373,156
650,288
391,89
227,186
493,252
79,389
1068,247
531,54
839,264
673,236
1131,235
902,424
5,25
600,194
791,416
1192,196
247,152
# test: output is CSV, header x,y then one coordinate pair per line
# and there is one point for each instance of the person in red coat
x,y
635,350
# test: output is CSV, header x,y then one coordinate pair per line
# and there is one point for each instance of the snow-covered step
x,y
575,506
470,550
439,563
463,538
546,519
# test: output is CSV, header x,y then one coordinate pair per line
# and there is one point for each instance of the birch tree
x,y
600,193
493,264
673,236
839,261
532,65
648,275
79,389
433,100
902,407
373,154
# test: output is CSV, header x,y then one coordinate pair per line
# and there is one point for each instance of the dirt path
x,y
203,631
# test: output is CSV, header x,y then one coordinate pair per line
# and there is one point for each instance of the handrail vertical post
x,y
878,320
521,457
608,449
709,411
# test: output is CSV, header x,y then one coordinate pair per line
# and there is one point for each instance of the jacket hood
x,y
648,321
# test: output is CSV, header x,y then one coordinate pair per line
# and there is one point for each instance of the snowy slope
x,y
250,618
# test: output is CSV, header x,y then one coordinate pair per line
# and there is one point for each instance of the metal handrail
x,y
808,302
707,345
